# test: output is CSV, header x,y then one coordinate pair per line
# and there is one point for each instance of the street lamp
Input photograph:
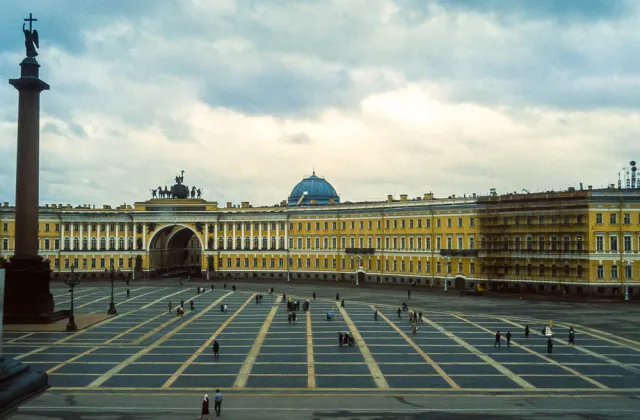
x,y
112,307
626,282
446,272
72,281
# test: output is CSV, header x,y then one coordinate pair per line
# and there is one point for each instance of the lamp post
x,y
72,281
626,281
112,307
446,272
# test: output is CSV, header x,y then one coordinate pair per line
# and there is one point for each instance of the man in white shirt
x,y
217,402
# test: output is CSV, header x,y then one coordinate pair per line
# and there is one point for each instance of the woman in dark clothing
x,y
205,407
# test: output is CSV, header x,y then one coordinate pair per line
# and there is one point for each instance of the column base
x,y
18,383
28,299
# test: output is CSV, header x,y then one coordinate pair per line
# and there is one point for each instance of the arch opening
x,y
175,251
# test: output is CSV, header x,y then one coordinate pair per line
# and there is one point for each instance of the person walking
x,y
399,313
192,305
170,306
314,295
572,336
182,302
128,292
342,303
217,402
549,345
508,338
375,315
340,339
420,317
216,349
526,331
205,407
337,296
410,317
497,342
414,329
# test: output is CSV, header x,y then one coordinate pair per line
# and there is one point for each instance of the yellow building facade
x,y
578,241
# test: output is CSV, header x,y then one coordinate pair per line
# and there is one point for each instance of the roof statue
x,y
179,190
31,41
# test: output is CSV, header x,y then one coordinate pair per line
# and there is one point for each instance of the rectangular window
x,y
317,243
627,243
378,224
280,262
47,243
5,244
613,218
599,218
613,243
428,223
326,243
459,221
411,224
438,240
378,242
66,263
438,266
449,242
554,243
627,271
418,266
472,242
427,267
369,224
614,271
541,243
419,223
402,223
448,222
437,223
472,268
102,263
627,218
460,241
471,222
120,262
334,225
427,242
93,263
541,220
529,243
46,227
334,242
567,243
56,263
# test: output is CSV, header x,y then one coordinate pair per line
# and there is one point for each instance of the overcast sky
x,y
381,96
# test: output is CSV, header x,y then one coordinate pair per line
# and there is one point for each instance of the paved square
x,y
148,348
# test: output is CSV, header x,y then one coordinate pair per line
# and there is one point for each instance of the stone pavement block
x,y
515,358
281,358
346,381
627,381
44,357
537,369
571,358
70,380
417,382
224,357
469,369
163,358
390,358
341,369
143,381
604,369
116,350
557,382
485,382
277,381
174,350
115,358
212,382
279,369
413,369
85,368
136,368
299,348
213,369
338,357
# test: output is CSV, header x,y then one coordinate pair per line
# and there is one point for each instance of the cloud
x,y
381,96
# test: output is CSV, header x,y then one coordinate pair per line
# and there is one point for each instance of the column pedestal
x,y
28,299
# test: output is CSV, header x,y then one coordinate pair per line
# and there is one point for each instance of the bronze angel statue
x,y
31,41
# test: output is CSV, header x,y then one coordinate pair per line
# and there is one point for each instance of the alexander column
x,y
27,295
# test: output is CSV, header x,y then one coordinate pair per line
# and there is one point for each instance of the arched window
x,y
85,244
273,242
130,243
220,242
229,242
265,242
238,242
76,243
256,242
94,243
103,243
66,243
112,243
121,243
247,242
282,242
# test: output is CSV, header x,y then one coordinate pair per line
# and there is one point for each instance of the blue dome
x,y
313,188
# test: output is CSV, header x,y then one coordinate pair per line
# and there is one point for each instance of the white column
x,y
117,236
126,236
80,241
286,235
260,235
215,234
206,237
277,235
61,236
233,236
135,230
144,236
251,244
269,235
71,231
242,235
107,239
224,239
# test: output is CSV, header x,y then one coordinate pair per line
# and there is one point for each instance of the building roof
x,y
313,189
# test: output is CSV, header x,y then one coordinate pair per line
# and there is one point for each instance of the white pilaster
x,y
225,239
260,236
233,236
277,235
215,234
251,244
242,235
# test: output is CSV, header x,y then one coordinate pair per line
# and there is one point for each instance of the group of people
x,y
217,405
180,310
545,331
259,299
345,340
